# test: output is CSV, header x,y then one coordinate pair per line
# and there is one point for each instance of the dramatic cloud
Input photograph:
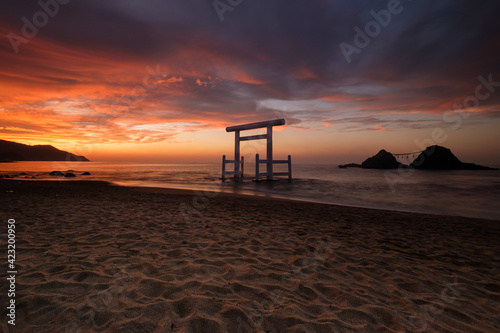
x,y
145,71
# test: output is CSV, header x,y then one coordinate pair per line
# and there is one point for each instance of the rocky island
x,y
432,158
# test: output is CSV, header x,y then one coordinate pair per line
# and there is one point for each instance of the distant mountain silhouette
x,y
441,158
13,151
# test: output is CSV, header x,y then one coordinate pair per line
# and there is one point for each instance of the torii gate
x,y
238,171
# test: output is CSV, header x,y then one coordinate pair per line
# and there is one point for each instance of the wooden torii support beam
x,y
269,158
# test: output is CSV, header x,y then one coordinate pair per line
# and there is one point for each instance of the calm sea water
x,y
458,193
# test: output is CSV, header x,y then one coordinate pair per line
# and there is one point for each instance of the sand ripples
x,y
108,269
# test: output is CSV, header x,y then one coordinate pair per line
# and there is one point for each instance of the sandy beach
x,y
91,257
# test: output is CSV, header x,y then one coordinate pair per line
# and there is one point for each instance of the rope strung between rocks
x,y
407,154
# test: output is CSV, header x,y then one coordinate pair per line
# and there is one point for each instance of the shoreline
x,y
101,257
455,193
229,195
267,196
264,195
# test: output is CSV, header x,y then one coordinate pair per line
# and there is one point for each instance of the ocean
x,y
456,193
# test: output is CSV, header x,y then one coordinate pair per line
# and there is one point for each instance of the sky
x,y
158,81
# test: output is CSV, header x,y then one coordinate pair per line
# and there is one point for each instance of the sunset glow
x,y
160,81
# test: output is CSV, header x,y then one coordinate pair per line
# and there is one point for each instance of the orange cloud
x,y
379,128
55,94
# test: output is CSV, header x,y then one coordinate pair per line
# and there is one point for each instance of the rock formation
x,y
441,158
383,160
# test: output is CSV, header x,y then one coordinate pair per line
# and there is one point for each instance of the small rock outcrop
x,y
69,174
86,173
56,173
350,165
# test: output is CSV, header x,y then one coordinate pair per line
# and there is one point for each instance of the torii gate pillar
x,y
269,154
236,154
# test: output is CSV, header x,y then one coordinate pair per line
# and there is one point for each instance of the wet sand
x,y
96,257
